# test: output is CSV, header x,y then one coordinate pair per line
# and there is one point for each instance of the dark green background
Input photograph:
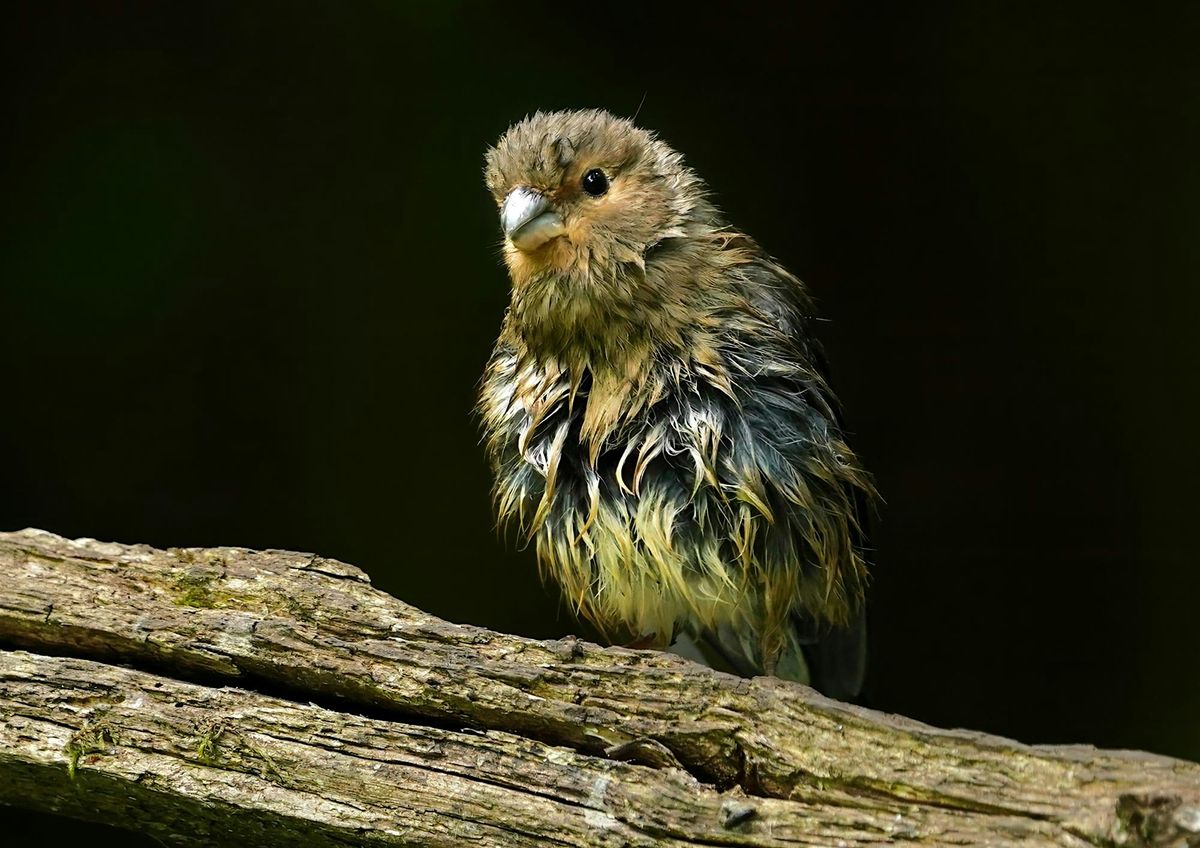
x,y
249,277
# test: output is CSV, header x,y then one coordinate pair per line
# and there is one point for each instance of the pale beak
x,y
528,219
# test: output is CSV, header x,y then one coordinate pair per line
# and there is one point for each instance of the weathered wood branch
x,y
357,719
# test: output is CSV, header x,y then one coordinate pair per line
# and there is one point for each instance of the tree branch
x,y
361,720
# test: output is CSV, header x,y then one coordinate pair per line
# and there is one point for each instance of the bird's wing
x,y
833,658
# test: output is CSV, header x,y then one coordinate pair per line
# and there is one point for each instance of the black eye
x,y
594,182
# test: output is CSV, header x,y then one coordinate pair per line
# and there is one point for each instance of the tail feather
x,y
831,660
837,660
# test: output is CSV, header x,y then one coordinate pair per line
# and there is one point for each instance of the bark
x,y
222,695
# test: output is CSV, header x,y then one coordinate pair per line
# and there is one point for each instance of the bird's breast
x,y
618,486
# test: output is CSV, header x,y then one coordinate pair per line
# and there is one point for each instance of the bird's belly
x,y
641,564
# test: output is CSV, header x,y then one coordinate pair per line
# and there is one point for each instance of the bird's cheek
x,y
579,230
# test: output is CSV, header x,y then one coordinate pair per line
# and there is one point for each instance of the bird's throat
x,y
597,321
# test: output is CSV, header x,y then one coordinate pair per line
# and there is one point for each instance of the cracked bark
x,y
267,698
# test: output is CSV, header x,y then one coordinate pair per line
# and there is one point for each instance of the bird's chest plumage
x,y
629,490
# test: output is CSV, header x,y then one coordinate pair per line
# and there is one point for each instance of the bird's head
x,y
585,197
579,188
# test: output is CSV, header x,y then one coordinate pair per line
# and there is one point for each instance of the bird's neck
x,y
597,322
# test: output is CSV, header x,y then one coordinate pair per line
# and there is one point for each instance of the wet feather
x,y
655,411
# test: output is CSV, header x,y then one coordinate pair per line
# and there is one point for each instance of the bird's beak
x,y
529,220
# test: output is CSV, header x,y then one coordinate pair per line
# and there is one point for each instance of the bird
x,y
657,414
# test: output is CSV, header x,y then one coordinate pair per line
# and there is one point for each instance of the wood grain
x,y
225,695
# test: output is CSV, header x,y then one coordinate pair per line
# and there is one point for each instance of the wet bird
x,y
656,411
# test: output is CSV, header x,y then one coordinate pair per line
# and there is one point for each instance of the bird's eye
x,y
594,182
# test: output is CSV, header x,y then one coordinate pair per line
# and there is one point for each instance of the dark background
x,y
249,277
